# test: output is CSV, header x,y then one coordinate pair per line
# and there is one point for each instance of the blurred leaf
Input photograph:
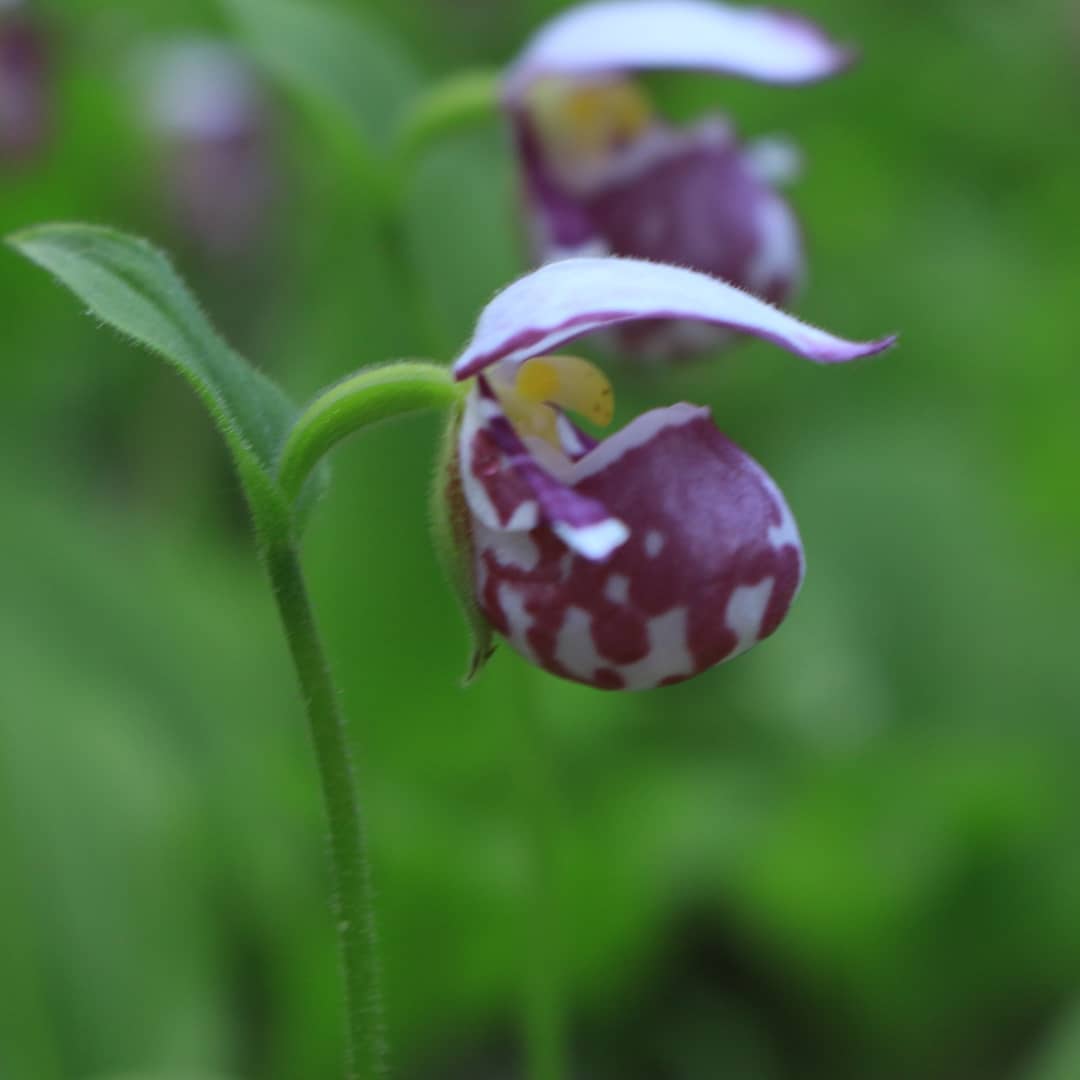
x,y
165,1076
133,287
349,71
461,101
1060,1058
464,228
876,808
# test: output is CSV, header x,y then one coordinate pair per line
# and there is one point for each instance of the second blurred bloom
x,y
604,174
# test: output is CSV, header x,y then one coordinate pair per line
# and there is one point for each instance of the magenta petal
x,y
610,36
559,224
690,197
711,566
509,490
566,300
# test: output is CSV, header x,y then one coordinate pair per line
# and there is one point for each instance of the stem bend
x,y
357,402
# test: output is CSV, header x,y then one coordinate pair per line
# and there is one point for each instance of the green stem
x,y
363,399
544,1011
458,102
353,907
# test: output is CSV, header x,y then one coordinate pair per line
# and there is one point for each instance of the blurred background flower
x,y
604,173
850,853
24,82
207,112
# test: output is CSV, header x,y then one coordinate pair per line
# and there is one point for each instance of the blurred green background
x,y
853,853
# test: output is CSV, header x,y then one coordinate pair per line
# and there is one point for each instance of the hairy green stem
x,y
544,1009
354,403
363,399
353,906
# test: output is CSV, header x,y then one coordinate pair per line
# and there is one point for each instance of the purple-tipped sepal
x,y
563,301
709,565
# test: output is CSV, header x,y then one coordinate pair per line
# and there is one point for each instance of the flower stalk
x,y
368,397
359,401
352,899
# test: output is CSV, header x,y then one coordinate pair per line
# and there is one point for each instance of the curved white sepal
x,y
573,297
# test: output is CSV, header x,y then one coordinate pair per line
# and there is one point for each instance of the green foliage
x,y
355,79
454,105
850,854
133,288
1060,1059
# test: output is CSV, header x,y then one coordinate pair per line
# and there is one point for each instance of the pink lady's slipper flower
x,y
604,175
643,559
24,104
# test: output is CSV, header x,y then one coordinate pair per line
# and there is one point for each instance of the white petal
x,y
609,36
568,299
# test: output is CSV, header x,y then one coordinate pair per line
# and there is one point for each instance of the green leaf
x,y
339,63
132,287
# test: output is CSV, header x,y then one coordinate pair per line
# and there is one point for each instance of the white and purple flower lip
x,y
24,78
647,557
603,175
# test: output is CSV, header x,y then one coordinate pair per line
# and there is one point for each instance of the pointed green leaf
x,y
340,63
132,287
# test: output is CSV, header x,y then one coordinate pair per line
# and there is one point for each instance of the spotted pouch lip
x,y
712,562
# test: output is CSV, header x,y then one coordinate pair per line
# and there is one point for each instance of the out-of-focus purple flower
x,y
604,175
643,559
24,90
205,106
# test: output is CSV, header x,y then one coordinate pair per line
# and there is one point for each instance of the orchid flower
x,y
24,104
642,559
204,104
603,174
